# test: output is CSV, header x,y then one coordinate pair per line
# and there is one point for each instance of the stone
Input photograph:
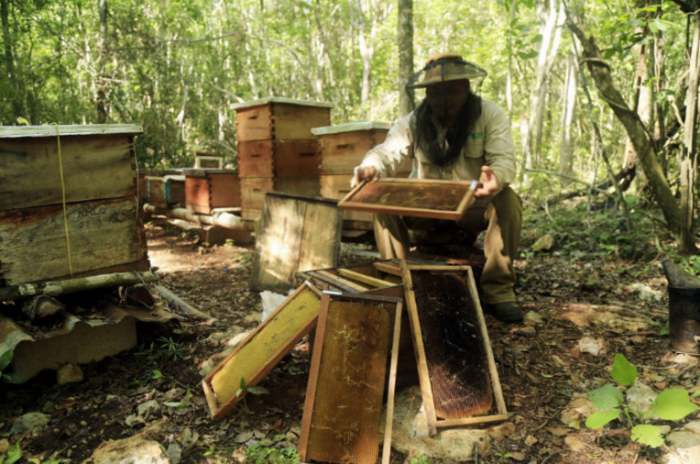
x,y
143,448
69,373
533,318
590,345
646,293
641,398
693,427
579,408
30,422
685,448
544,243
410,432
147,408
575,444
683,439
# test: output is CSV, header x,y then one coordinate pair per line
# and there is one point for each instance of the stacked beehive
x,y
68,203
342,147
276,149
209,189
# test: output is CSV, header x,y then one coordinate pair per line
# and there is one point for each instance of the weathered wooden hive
x,y
341,148
209,189
276,149
68,203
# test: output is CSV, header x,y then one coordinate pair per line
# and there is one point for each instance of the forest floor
x,y
576,289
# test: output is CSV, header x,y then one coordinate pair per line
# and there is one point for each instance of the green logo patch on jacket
x,y
476,135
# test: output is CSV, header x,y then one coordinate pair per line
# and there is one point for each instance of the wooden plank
x,y
343,409
277,249
320,242
423,375
493,371
261,350
386,451
428,198
373,281
297,233
355,287
66,130
156,191
94,168
102,234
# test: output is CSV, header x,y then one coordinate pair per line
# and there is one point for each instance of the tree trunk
x,y
548,50
509,77
568,110
689,161
102,82
405,39
9,58
638,134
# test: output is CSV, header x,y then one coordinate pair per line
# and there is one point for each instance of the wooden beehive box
x,y
280,119
276,150
341,149
208,160
90,168
208,189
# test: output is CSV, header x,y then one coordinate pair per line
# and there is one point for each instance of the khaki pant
x,y
500,216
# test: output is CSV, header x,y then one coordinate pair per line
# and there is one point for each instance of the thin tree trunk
x,y
548,49
405,39
690,158
509,77
9,58
568,110
102,81
600,72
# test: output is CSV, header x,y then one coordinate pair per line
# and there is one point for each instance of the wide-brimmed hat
x,y
445,67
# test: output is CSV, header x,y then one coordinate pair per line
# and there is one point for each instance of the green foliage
x,y
266,452
672,404
5,360
420,459
14,454
255,390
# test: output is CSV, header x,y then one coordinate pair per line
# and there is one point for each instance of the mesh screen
x,y
347,409
454,346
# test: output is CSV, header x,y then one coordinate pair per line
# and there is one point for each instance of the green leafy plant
x,y
503,456
672,404
420,459
5,360
180,404
266,452
252,390
14,454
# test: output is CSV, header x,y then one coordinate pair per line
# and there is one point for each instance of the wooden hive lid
x,y
286,101
351,127
14,132
203,172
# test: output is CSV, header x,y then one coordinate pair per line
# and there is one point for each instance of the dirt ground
x,y
540,364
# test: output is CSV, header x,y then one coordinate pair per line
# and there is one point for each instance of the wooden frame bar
x,y
350,201
426,388
312,387
219,409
